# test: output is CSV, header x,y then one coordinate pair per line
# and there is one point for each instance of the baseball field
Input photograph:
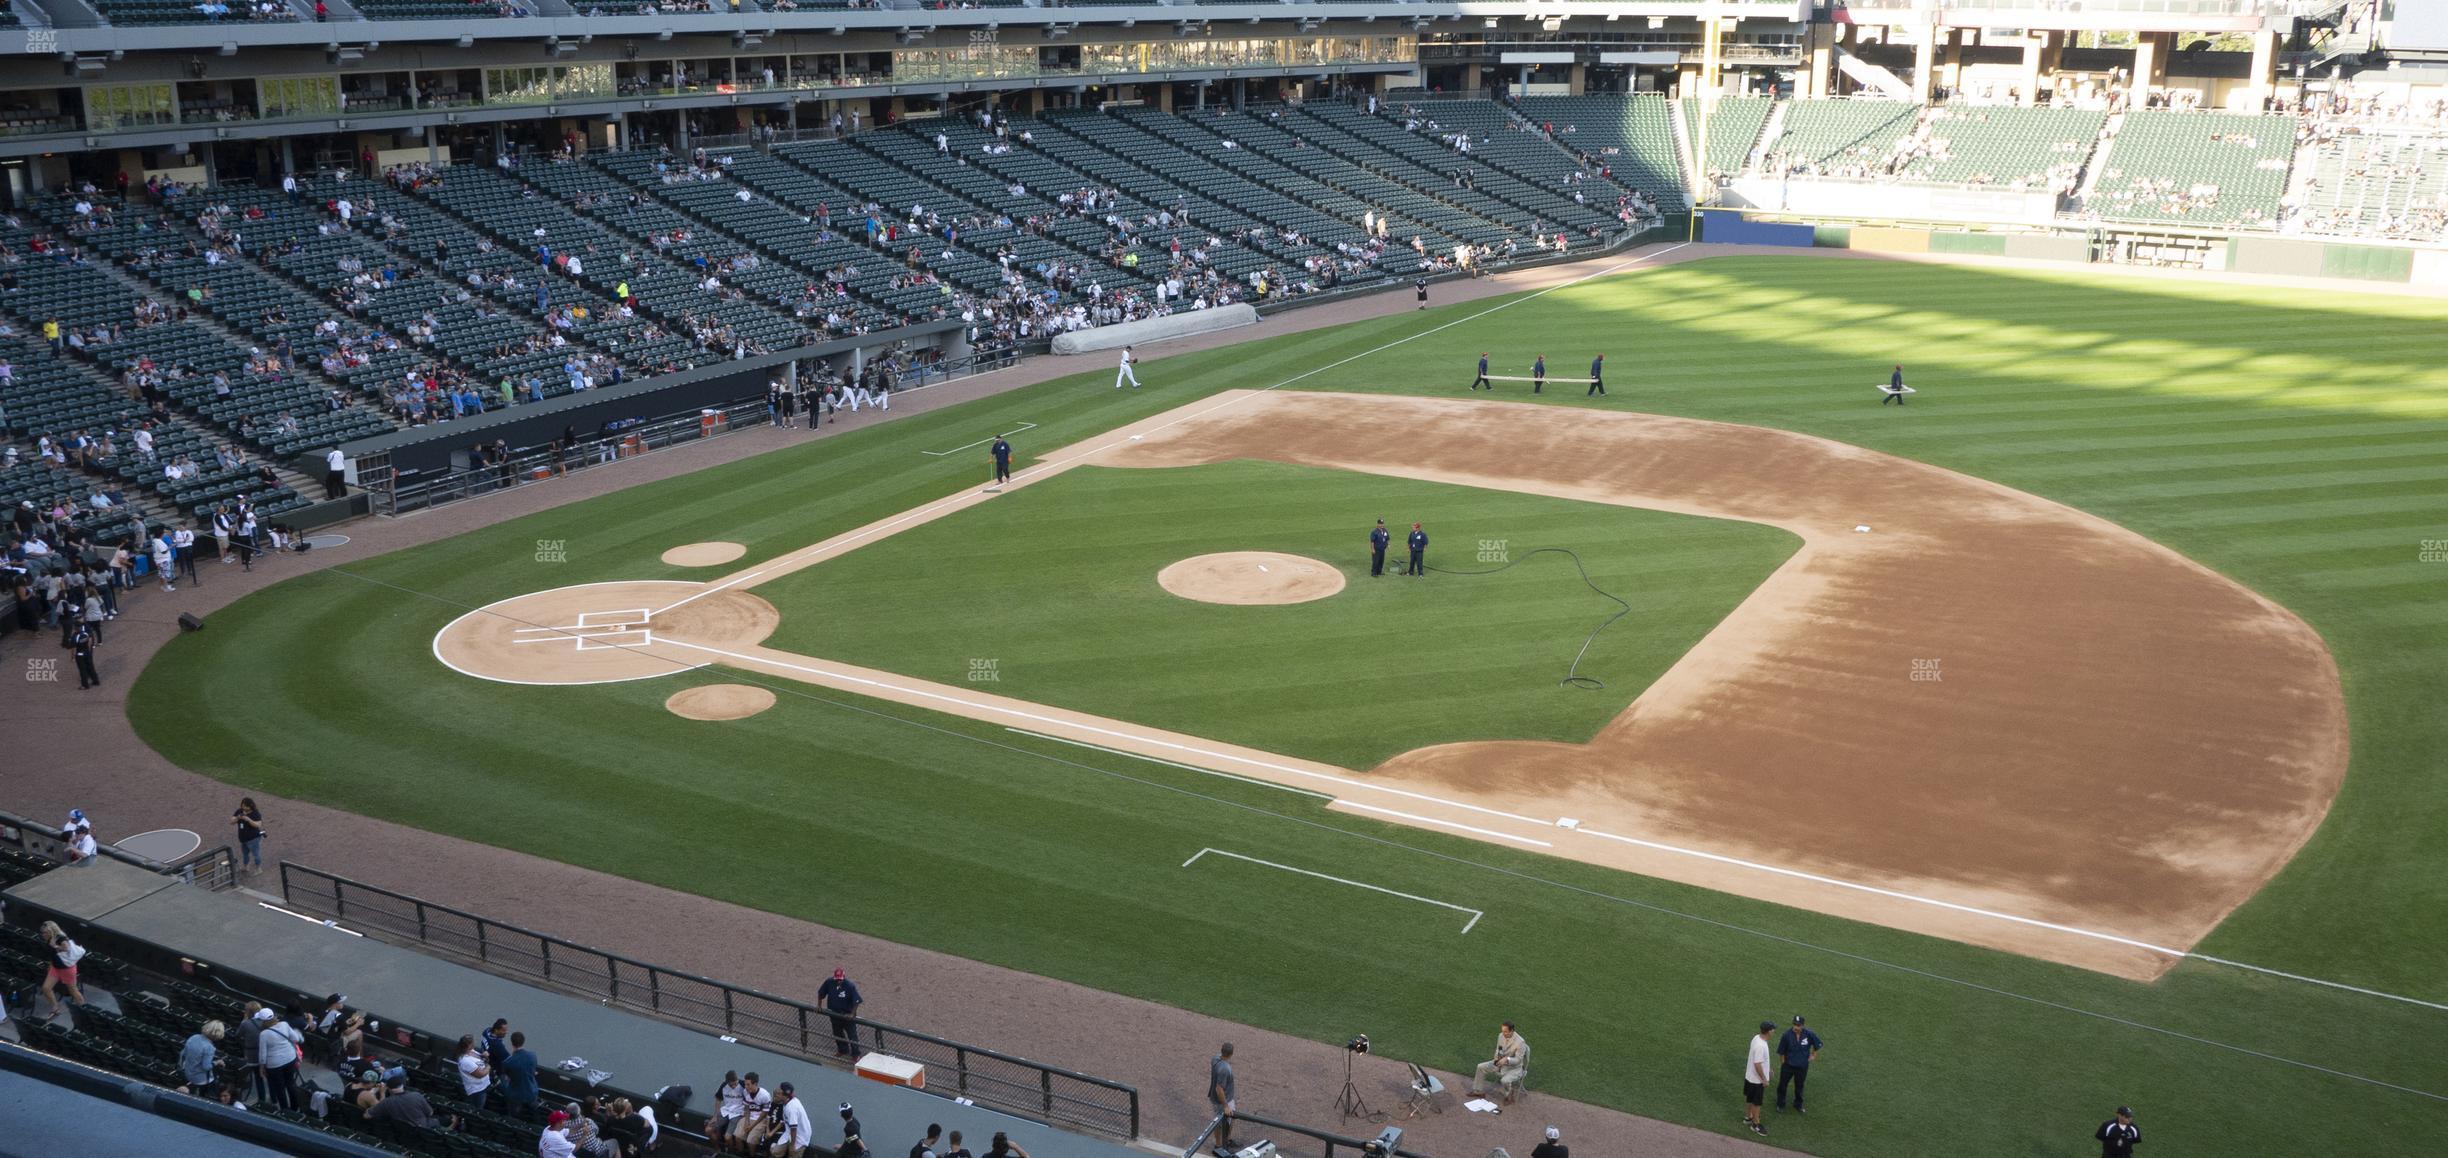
x,y
2064,738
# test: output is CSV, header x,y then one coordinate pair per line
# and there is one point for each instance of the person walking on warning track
x,y
1128,359
1895,388
1538,375
1220,1096
1378,538
1597,377
1797,1049
1482,379
1418,542
1755,1078
1002,459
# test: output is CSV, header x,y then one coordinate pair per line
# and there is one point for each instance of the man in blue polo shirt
x,y
1796,1049
1378,538
1418,542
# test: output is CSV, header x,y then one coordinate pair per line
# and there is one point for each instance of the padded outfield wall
x,y
2291,257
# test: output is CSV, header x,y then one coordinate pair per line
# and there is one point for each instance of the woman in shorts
x,y
63,973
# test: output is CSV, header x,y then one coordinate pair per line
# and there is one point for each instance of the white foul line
x,y
1043,466
1418,819
1467,926
977,706
980,442
1172,764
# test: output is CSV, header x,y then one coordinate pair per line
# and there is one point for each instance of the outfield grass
x,y
1379,669
2300,448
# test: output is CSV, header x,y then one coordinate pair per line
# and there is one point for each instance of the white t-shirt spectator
x,y
81,846
474,1077
1757,1069
280,1044
758,1103
555,1142
796,1129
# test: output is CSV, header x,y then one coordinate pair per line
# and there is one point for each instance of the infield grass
x,y
1050,591
2298,443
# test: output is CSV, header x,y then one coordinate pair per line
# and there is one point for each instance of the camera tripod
x,y
1349,1103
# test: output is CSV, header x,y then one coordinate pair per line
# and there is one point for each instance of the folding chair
x,y
1424,1089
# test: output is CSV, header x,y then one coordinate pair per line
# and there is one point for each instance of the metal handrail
x,y
1198,1145
1006,1082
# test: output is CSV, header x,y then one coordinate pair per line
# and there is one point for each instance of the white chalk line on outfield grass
x,y
1022,475
800,692
1467,926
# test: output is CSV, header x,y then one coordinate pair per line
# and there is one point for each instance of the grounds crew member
x,y
1002,457
1895,388
1378,538
1538,375
1482,379
1597,376
1421,284
2118,1135
1418,543
1798,1048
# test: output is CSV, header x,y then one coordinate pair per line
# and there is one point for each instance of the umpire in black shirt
x,y
1378,539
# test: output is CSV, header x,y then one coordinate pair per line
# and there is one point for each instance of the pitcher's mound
x,y
703,554
719,702
1250,578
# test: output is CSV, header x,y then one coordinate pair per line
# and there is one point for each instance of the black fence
x,y
1015,1085
1254,1129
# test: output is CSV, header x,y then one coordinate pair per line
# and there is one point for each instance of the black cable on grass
x,y
1572,675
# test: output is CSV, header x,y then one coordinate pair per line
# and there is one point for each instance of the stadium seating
x,y
1633,135
1221,201
134,13
665,284
1733,130
1838,138
440,9
2003,146
2193,168
2377,184
1515,179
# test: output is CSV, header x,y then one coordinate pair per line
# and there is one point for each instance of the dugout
x,y
405,457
